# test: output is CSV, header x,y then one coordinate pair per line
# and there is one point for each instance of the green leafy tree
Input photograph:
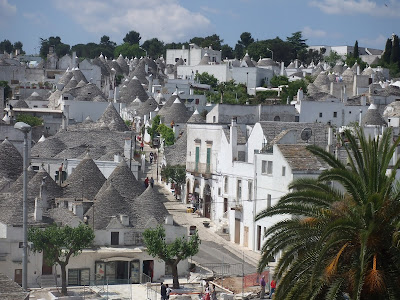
x,y
227,52
132,38
175,174
152,131
206,78
291,90
297,42
18,46
239,51
356,53
128,50
213,40
279,80
343,237
60,244
30,120
167,134
106,42
332,58
246,39
176,45
387,53
6,46
59,47
171,253
155,48
307,56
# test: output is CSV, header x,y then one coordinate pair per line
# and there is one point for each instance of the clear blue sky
x,y
322,22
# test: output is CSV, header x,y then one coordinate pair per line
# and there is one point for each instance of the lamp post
x,y
272,52
25,128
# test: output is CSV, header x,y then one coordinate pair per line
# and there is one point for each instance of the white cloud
x,y
388,8
308,32
35,17
163,19
378,42
6,9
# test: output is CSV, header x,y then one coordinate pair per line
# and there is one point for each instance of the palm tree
x,y
341,240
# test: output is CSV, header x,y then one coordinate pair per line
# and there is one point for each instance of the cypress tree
x,y
395,55
356,52
388,51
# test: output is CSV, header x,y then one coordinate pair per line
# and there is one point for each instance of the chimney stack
x,y
233,138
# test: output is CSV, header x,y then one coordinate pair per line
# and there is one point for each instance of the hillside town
x,y
127,144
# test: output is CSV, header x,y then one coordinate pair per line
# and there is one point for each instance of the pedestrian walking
x,y
168,291
207,292
141,145
163,291
146,182
151,157
213,293
155,156
262,284
273,287
152,182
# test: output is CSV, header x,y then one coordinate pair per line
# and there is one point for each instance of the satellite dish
x,y
306,134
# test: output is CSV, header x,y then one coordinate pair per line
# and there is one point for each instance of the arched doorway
x,y
207,201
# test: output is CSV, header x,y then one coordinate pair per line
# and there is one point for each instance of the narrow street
x,y
214,249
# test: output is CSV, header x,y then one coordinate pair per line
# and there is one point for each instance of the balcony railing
x,y
201,168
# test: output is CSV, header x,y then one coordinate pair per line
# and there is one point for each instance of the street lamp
x,y
272,52
25,128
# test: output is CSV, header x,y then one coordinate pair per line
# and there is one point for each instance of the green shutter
x,y
197,158
208,160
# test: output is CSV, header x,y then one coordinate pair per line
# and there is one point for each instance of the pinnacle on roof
x,y
373,117
42,139
111,114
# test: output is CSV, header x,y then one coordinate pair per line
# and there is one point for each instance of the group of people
x,y
263,284
147,181
209,294
165,291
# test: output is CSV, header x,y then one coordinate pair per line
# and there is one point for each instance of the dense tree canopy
x,y
332,58
58,47
128,50
206,78
297,42
7,46
340,240
154,47
132,38
213,40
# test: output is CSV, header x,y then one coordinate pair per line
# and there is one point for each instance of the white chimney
x,y
169,220
282,68
150,83
73,59
38,213
330,138
78,210
124,220
117,157
300,95
359,121
363,100
358,69
233,139
128,149
43,193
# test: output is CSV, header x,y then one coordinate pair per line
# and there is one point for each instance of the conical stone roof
x,y
18,184
111,114
177,113
148,106
109,204
53,190
66,77
123,65
133,89
21,104
71,84
85,181
49,148
11,161
205,60
196,118
123,180
372,117
150,204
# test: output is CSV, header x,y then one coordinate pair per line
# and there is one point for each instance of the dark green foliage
x,y
239,51
128,50
59,47
171,253
227,52
332,58
93,50
176,45
154,47
297,42
132,38
232,93
356,53
60,244
341,237
213,40
388,51
152,131
118,79
7,89
176,174
292,89
6,46
279,80
307,56
245,39
206,78
30,120
167,134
